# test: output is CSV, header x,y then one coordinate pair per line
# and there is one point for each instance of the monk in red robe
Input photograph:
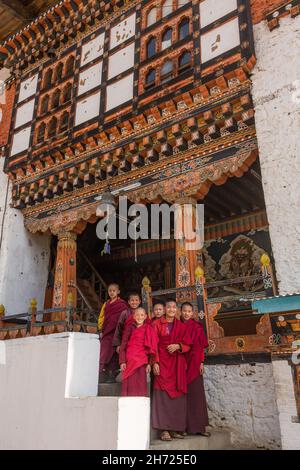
x,y
109,363
134,301
158,310
170,371
139,344
197,416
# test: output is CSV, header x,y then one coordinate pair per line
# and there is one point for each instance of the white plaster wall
x,y
121,61
119,92
28,87
90,78
24,113
242,399
88,108
24,257
21,141
122,31
212,10
93,49
220,40
35,375
276,79
285,397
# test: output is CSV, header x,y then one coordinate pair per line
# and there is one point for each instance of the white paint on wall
x,y
21,141
119,92
24,257
88,108
92,49
90,78
286,403
35,414
2,353
275,81
122,31
242,398
83,361
121,61
24,113
28,87
212,10
129,411
220,40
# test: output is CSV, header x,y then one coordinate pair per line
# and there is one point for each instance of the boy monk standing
x,y
134,301
139,344
111,312
197,417
158,310
170,375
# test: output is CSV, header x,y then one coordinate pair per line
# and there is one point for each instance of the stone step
x,y
109,390
219,440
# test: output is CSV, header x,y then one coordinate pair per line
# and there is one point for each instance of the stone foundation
x,y
242,398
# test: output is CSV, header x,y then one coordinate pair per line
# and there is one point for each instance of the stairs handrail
x,y
99,277
84,298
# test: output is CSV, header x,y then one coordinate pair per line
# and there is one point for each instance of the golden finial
x,y
33,303
70,298
199,272
146,282
2,310
265,260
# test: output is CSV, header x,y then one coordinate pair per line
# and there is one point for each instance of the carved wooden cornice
x,y
194,181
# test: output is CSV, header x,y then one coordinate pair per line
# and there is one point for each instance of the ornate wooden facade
x,y
152,93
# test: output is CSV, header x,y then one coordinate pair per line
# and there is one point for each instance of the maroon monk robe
x,y
112,312
138,345
197,416
170,387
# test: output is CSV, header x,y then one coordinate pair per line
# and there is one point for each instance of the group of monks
x,y
169,350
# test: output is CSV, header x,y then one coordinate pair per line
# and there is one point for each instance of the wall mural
x,y
232,257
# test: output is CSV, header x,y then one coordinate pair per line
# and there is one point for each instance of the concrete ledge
x,y
48,398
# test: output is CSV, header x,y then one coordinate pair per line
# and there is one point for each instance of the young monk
x,y
169,369
158,310
197,416
107,323
139,344
134,301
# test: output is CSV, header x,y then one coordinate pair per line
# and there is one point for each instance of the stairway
x,y
89,294
219,439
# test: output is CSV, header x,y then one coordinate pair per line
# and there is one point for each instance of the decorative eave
x,y
164,135
189,174
291,8
61,23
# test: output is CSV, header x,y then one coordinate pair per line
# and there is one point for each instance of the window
x,y
41,133
59,71
151,17
151,47
166,39
52,127
55,99
70,66
150,79
67,93
166,8
48,78
166,72
184,29
185,61
45,104
64,122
